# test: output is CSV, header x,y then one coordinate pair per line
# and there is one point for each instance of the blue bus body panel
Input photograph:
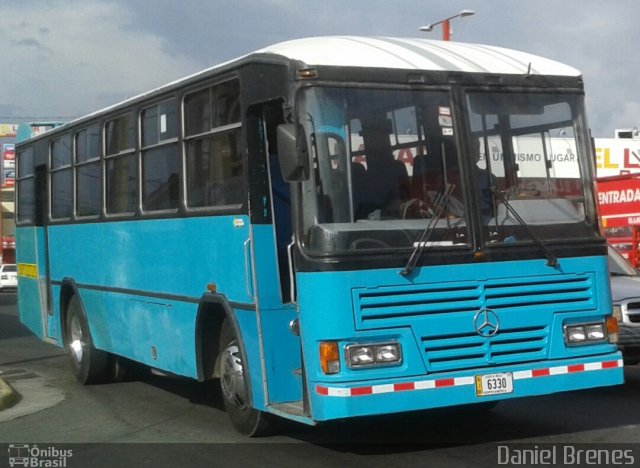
x,y
141,305
137,255
31,284
140,282
433,316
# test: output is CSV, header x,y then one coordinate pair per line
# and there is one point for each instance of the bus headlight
x,y
595,332
575,334
373,354
585,333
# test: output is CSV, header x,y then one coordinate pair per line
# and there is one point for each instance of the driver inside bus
x,y
387,181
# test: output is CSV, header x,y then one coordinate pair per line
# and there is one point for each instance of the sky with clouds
x,y
67,58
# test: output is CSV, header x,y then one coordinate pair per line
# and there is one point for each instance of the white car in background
x,y
8,276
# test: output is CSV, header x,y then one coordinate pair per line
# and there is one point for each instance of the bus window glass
x,y
167,120
226,104
214,159
89,186
150,126
161,178
385,167
197,112
122,183
25,162
159,123
87,144
121,171
61,152
528,151
26,200
61,198
215,170
25,186
120,135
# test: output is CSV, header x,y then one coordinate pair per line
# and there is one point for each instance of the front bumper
x,y
342,400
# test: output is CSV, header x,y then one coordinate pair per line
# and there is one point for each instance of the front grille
x,y
471,350
441,316
633,312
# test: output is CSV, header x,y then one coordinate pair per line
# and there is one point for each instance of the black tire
x,y
235,387
90,365
126,370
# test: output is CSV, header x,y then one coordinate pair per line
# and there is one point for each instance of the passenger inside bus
x,y
433,171
385,181
484,180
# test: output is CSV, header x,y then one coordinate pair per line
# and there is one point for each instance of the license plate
x,y
494,384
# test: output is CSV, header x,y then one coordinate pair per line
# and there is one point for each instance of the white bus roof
x,y
390,52
416,54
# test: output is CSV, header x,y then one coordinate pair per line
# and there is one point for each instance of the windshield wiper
x,y
552,260
439,206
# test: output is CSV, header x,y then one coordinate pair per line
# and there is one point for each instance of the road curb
x,y
8,396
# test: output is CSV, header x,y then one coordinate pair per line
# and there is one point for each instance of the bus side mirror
x,y
293,152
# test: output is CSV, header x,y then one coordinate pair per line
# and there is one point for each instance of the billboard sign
x,y
8,165
8,130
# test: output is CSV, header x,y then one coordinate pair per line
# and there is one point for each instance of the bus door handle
x,y
247,268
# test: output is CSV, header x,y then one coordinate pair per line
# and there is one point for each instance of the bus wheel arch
x,y
67,291
211,314
222,354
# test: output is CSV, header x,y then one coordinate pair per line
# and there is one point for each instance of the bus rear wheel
x,y
90,365
235,387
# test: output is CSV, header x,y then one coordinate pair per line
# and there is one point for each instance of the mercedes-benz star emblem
x,y
486,322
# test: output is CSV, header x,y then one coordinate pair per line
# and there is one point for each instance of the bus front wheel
x,y
234,385
90,365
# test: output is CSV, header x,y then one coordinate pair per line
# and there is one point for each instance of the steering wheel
x,y
355,245
415,209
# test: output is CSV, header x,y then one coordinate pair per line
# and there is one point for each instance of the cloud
x,y
73,57
30,42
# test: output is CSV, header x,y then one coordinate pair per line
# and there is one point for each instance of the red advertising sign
x,y
619,200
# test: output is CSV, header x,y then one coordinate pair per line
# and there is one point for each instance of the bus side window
x,y
61,178
121,165
215,170
161,164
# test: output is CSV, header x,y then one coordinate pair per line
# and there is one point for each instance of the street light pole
x,y
446,30
446,25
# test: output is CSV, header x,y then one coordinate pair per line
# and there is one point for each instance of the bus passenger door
x,y
270,235
34,293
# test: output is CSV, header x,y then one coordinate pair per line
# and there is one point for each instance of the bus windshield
x,y
388,165
381,159
531,168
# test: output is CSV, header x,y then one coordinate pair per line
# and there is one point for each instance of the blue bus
x,y
332,227
30,129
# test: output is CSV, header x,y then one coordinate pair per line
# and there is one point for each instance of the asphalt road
x,y
168,421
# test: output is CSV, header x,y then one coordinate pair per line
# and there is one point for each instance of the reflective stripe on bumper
x,y
462,381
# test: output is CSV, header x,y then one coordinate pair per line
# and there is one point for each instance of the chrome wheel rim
x,y
76,341
232,376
